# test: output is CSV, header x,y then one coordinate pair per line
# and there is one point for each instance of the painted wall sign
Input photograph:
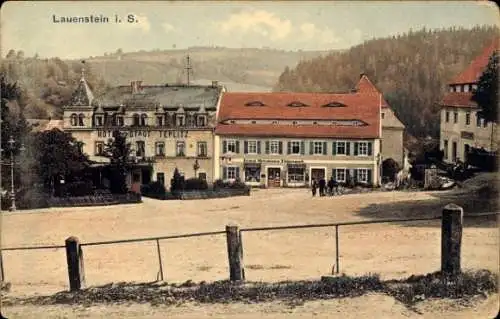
x,y
467,135
145,133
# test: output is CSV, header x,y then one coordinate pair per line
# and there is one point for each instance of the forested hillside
x,y
45,84
412,71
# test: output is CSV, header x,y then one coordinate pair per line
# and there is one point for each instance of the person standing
x,y
313,187
330,185
322,184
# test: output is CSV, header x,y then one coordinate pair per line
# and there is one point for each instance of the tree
x,y
389,169
486,95
118,151
58,156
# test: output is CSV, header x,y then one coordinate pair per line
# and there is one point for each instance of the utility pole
x,y
188,69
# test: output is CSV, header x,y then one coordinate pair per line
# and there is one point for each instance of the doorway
x,y
273,177
317,174
466,152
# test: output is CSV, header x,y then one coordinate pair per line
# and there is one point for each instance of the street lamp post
x,y
11,143
196,167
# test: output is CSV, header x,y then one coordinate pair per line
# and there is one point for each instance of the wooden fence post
x,y
451,239
2,275
234,253
74,257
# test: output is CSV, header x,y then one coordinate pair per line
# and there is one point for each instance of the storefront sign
x,y
146,133
295,162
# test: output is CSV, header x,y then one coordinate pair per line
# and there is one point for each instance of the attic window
x,y
297,104
255,103
334,104
254,122
232,121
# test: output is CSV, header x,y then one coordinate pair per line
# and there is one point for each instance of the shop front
x,y
252,170
296,174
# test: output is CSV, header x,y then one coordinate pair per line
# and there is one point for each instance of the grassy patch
x,y
408,291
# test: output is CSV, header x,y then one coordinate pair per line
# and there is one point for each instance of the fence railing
x,y
451,238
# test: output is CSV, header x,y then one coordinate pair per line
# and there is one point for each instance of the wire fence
x,y
157,240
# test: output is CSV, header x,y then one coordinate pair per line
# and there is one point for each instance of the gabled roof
x,y
358,106
472,73
366,86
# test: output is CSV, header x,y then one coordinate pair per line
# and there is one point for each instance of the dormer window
x,y
335,104
135,120
232,121
255,103
254,122
144,120
99,120
81,117
315,122
202,120
180,120
119,120
191,121
275,122
159,121
297,104
73,120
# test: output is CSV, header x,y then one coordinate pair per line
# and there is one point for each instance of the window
x,y
294,147
254,122
467,118
478,120
119,121
99,148
466,88
73,120
382,115
455,117
160,149
202,149
363,175
180,120
81,118
135,120
230,172
445,148
252,173
159,121
144,120
98,120
202,176
339,174
160,178
180,148
474,87
202,120
451,88
274,147
296,174
315,122
317,148
232,146
275,122
140,148
362,148
447,117
340,148
294,122
252,147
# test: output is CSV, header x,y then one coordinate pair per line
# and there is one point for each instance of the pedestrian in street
x,y
314,186
322,186
330,185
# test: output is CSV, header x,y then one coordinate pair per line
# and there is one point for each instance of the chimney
x,y
215,83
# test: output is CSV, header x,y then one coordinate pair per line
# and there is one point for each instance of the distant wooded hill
x,y
412,71
47,84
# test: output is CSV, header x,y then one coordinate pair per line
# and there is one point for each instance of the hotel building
x,y
287,139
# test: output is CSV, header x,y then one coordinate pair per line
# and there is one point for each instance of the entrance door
x,y
273,177
317,174
466,152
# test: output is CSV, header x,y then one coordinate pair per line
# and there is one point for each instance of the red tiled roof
x,y
319,131
366,86
472,73
358,106
458,99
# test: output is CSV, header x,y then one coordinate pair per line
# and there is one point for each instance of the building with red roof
x,y
289,139
460,126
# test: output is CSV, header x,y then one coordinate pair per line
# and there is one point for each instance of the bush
x,y
195,184
32,198
153,189
389,169
237,184
177,182
74,189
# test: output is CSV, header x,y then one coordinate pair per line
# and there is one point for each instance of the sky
x,y
287,25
